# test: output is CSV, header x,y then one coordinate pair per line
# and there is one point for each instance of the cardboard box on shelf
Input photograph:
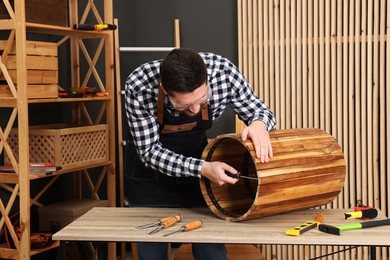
x,y
56,216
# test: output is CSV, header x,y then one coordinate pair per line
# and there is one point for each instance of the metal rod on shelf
x,y
145,49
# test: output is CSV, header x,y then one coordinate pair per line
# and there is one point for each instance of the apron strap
x,y
205,112
160,105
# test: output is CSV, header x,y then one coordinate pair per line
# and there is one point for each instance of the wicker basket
x,y
65,145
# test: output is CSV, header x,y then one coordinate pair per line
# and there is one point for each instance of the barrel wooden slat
x,y
307,170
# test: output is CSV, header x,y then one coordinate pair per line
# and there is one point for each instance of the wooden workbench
x,y
118,225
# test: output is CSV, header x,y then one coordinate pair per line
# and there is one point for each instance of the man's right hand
x,y
215,172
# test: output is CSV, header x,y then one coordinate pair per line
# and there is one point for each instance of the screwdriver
x,y
239,175
187,227
165,224
158,222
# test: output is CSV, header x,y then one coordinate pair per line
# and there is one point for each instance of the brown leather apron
x,y
183,135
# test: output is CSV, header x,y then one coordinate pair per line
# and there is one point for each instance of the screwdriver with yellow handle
x,y
167,223
187,227
158,222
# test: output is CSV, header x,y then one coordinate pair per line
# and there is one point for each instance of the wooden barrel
x,y
307,170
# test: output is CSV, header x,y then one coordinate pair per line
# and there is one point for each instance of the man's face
x,y
191,103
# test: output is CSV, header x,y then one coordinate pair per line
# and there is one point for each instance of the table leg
x,y
373,252
63,250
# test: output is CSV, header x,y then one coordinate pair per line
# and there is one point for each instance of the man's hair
x,y
183,70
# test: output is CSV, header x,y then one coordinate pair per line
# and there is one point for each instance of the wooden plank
x,y
36,76
266,50
344,124
305,71
388,101
34,62
260,88
310,73
299,68
383,101
316,63
35,48
256,72
328,74
277,65
293,66
33,91
351,108
250,46
357,105
288,65
271,49
282,62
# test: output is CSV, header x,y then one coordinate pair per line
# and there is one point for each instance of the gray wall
x,y
205,25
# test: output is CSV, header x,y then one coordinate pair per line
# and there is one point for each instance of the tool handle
x,y
105,26
235,176
178,217
375,223
168,219
87,27
192,225
365,214
171,220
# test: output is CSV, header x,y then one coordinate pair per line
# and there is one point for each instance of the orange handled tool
x,y
158,222
167,223
187,227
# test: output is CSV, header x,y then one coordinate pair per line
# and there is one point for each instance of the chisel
x,y
187,227
239,175
159,222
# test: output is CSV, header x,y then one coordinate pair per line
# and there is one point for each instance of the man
x,y
169,105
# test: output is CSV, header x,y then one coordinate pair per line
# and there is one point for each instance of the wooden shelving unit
x,y
17,108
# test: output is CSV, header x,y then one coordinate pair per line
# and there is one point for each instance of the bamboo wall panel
x,y
323,64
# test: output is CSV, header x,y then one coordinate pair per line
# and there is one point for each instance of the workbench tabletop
x,y
118,225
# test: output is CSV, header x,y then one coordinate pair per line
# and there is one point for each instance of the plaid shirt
x,y
228,86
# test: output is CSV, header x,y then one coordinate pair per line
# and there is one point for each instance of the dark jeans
x,y
159,251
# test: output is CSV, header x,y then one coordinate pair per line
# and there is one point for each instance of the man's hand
x,y
258,133
215,172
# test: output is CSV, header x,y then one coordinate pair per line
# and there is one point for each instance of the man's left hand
x,y
259,135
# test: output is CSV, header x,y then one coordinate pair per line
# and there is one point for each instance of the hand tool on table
x,y
158,222
167,223
298,230
364,213
187,227
335,230
239,175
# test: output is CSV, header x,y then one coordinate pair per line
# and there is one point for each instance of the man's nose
x,y
194,109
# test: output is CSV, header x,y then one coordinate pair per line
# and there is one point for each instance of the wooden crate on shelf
x,y
42,70
52,12
68,146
